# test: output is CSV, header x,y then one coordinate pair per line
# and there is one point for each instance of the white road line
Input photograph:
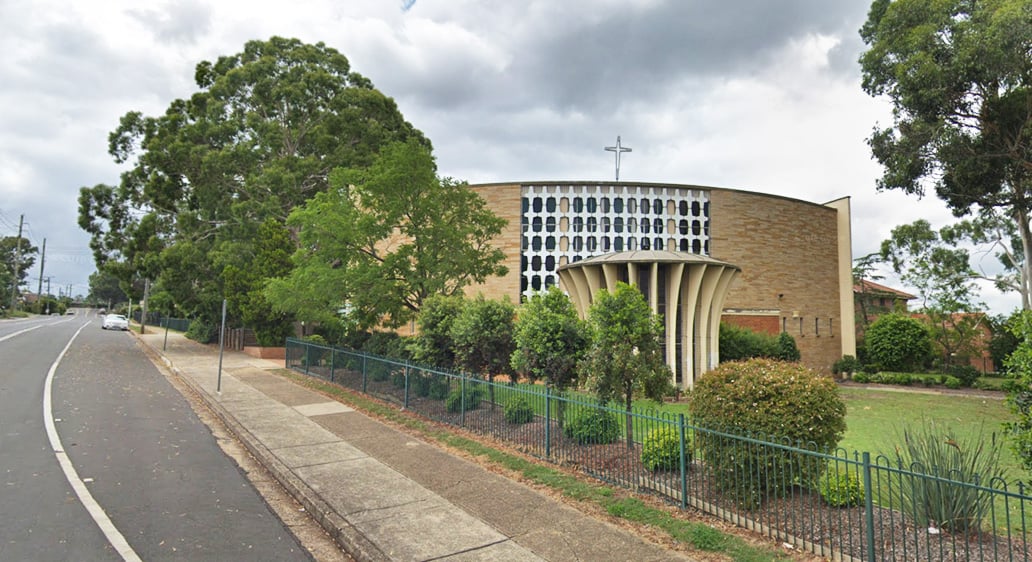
x,y
18,333
106,526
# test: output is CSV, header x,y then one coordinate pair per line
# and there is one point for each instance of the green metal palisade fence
x,y
881,528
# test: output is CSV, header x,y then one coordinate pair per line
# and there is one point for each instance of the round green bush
x,y
848,364
898,342
661,449
519,411
592,426
862,378
439,387
454,401
954,383
777,401
966,373
841,490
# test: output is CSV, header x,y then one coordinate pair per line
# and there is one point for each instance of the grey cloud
x,y
178,22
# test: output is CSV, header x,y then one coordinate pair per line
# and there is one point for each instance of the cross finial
x,y
617,149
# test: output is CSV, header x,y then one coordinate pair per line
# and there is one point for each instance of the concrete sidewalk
x,y
381,493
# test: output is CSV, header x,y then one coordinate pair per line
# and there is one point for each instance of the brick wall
x,y
787,249
788,252
504,201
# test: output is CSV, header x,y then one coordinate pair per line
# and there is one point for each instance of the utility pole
x,y
17,264
42,260
143,309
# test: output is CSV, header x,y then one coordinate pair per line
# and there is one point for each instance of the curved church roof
x,y
648,256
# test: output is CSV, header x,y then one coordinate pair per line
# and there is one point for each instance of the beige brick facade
x,y
791,254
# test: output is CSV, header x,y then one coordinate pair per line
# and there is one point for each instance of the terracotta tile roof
x,y
869,287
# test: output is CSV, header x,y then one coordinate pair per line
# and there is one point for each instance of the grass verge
x,y
616,502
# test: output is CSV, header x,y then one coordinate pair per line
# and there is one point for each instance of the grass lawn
x,y
875,419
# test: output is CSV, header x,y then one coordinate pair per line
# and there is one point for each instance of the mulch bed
x,y
801,518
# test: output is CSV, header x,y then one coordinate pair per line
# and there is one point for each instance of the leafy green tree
x,y
624,357
939,271
1003,341
1019,364
896,342
958,76
550,339
386,238
483,337
864,269
105,289
245,286
434,344
929,261
259,138
14,250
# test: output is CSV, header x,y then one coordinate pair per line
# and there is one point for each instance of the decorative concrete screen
x,y
564,224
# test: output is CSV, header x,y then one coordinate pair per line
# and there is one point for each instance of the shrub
x,y
954,383
454,401
593,426
786,349
841,489
398,378
786,402
739,344
439,387
862,378
379,370
316,339
966,373
419,384
848,364
519,411
936,451
201,332
898,342
661,449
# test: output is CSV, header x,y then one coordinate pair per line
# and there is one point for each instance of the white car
x,y
114,322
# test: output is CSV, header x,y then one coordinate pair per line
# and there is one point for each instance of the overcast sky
x,y
761,96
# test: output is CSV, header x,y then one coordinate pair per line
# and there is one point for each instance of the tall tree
x,y
959,76
928,261
259,138
20,251
386,238
624,358
105,289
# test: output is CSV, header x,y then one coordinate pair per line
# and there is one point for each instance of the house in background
x,y
871,300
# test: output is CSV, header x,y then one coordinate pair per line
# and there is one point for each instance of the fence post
x,y
407,371
333,355
364,376
462,401
684,465
548,423
308,356
868,506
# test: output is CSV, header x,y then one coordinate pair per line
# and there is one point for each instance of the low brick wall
x,y
266,352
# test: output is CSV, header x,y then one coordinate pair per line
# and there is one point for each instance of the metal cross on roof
x,y
617,149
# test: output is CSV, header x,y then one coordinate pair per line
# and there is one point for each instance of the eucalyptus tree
x,y
259,138
959,77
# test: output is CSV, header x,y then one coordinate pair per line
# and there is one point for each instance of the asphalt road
x,y
152,482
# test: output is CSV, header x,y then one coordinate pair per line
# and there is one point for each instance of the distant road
x,y
152,482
